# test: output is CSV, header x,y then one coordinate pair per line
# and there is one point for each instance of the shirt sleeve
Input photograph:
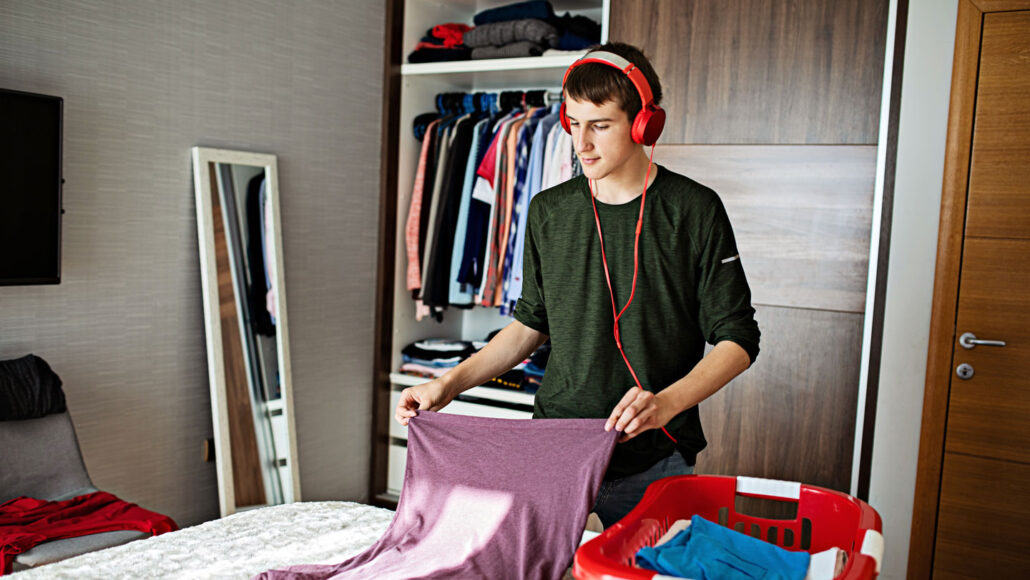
x,y
723,292
531,308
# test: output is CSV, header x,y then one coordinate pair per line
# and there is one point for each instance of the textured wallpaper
x,y
142,82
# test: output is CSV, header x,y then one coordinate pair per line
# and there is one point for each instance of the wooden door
x,y
984,500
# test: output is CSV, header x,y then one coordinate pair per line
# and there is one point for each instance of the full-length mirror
x,y
248,351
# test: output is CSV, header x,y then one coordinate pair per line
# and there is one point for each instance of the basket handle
x,y
769,487
872,546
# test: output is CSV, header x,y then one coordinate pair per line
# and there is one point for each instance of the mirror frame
x,y
202,158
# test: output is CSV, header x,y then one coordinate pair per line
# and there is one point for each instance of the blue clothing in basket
x,y
708,551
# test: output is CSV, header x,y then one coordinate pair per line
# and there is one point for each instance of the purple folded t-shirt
x,y
485,498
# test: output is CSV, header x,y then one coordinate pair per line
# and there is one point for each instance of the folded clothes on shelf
x,y
424,55
442,43
432,357
514,30
503,33
513,50
540,9
438,349
417,370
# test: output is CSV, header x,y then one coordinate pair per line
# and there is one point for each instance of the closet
x,y
773,105
411,90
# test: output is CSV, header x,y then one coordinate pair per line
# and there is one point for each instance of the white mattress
x,y
237,546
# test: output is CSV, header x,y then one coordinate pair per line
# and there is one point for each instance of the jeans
x,y
618,496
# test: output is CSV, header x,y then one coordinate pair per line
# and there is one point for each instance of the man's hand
x,y
639,411
431,396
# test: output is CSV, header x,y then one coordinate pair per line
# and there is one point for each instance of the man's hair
x,y
600,83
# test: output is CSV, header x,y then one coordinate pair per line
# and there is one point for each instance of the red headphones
x,y
650,121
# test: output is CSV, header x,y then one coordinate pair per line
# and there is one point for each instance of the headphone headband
x,y
648,123
629,69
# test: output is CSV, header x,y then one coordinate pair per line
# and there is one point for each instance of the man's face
x,y
600,135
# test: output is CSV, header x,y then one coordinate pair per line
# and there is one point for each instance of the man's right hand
x,y
431,396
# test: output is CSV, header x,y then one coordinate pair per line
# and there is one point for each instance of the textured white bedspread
x,y
237,546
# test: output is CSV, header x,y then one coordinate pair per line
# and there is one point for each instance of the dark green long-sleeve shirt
x,y
691,289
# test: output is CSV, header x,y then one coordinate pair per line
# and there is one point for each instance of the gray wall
x,y
143,81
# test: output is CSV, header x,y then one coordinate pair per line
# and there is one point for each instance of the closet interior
x,y
424,92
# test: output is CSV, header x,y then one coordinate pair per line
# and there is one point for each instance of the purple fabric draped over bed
x,y
484,498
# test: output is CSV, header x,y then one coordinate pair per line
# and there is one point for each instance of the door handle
x,y
969,340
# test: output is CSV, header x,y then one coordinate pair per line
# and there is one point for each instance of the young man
x,y
662,296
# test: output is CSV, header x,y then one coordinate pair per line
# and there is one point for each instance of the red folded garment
x,y
26,522
451,33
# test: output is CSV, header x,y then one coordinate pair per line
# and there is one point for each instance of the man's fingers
x,y
406,406
643,421
620,408
640,403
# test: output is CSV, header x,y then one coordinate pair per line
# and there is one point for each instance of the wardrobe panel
x,y
762,71
800,214
792,414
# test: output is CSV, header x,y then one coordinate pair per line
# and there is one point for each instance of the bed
x,y
237,546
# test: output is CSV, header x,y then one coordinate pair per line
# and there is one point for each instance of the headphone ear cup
x,y
648,125
563,119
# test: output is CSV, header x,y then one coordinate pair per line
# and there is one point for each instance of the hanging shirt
x,y
533,186
437,289
459,294
470,273
484,498
518,192
411,229
497,183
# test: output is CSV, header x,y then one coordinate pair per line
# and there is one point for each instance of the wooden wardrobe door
x,y
984,499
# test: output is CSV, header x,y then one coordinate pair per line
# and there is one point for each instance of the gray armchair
x,y
40,458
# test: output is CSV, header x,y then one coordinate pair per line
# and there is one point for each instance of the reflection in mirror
x,y
238,225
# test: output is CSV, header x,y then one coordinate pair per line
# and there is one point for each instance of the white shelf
x,y
494,394
524,73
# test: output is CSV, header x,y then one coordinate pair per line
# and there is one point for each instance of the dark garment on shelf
x,y
29,389
581,26
541,9
433,349
257,285
503,33
569,41
513,50
448,35
512,379
484,498
439,55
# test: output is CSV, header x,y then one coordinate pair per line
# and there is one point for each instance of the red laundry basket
x,y
825,518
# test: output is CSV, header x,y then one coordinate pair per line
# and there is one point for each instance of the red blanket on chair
x,y
27,522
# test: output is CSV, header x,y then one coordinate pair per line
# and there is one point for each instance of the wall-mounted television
x,y
30,188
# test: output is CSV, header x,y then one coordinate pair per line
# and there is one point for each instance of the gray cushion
x,y
57,550
41,459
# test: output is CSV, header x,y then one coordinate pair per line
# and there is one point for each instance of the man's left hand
x,y
638,411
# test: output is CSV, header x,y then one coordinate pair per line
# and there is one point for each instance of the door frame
x,y
961,115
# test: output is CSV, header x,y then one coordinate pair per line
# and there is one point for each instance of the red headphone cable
x,y
607,276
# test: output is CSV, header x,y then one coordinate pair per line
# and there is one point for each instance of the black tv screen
x,y
30,189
